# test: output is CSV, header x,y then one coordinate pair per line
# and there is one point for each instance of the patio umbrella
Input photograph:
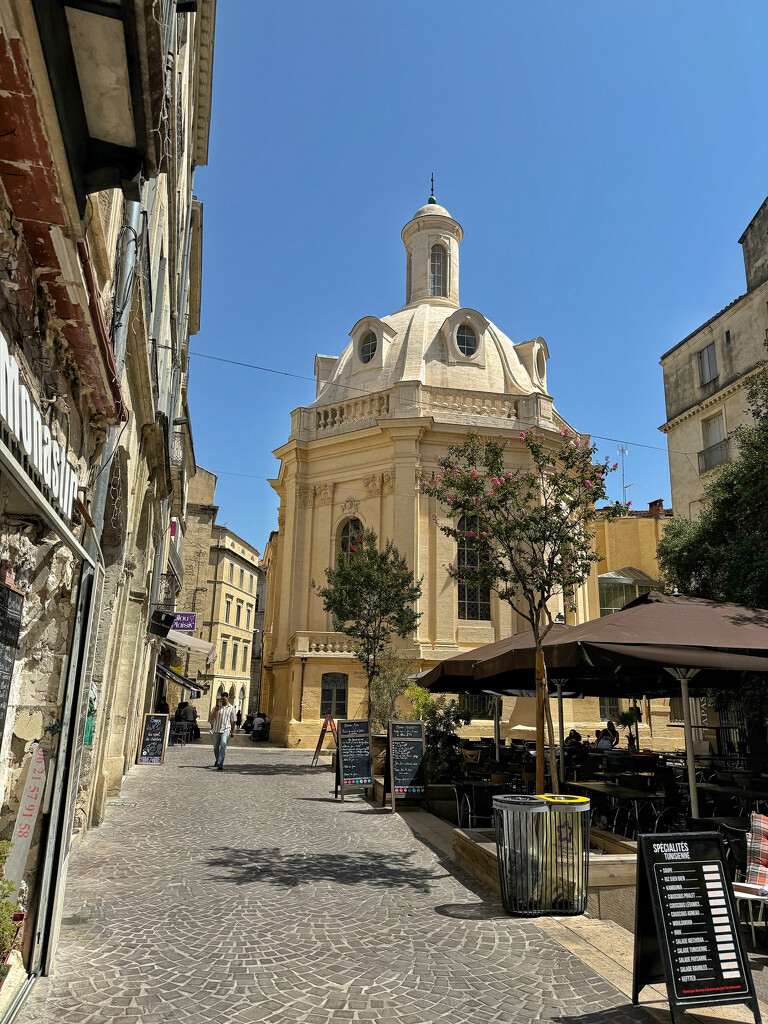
x,y
655,646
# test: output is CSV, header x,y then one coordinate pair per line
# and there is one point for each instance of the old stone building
x,y
704,376
99,289
405,387
221,585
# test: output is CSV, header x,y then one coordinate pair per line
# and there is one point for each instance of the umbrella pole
x,y
684,675
497,725
561,727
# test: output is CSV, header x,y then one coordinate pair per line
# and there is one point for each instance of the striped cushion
x,y
758,825
757,860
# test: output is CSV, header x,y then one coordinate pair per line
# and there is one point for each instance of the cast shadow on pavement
x,y
233,767
626,1014
270,864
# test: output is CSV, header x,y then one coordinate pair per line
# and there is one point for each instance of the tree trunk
x,y
540,694
551,735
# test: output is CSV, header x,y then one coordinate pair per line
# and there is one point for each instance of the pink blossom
x,y
473,474
588,483
483,533
628,504
476,501
449,500
615,466
353,548
471,533
496,481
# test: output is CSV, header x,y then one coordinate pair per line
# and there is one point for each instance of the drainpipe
x,y
301,691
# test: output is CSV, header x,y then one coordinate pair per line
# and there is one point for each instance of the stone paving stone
x,y
251,896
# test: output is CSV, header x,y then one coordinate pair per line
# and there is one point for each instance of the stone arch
x,y
350,528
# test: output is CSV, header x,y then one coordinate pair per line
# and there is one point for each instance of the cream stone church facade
x,y
405,387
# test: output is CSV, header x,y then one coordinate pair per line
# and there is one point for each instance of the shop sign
x,y
185,620
38,451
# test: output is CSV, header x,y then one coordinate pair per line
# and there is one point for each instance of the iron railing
x,y
714,456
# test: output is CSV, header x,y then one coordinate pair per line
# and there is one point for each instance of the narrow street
x,y
252,896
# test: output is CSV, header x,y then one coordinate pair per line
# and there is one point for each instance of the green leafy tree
x,y
527,531
369,595
441,717
389,685
723,555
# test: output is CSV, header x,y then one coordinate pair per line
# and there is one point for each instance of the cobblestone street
x,y
252,896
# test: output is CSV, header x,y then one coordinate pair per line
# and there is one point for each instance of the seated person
x,y
259,724
248,723
573,739
606,741
598,737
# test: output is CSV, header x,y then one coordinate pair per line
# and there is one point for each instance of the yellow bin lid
x,y
556,798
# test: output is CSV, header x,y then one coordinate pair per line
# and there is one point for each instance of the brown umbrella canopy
x,y
624,652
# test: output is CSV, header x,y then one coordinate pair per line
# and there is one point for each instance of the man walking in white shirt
x,y
221,719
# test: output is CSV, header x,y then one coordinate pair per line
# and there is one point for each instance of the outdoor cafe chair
x,y
622,822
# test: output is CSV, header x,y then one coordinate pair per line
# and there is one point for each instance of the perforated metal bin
x,y
542,846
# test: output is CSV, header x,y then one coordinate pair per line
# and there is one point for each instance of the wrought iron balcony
x,y
714,456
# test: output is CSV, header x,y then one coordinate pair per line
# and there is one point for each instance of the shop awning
x,y
180,680
185,642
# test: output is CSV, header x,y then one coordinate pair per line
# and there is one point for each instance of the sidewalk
x,y
250,895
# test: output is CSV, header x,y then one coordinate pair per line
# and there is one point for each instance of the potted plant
x,y
626,719
11,916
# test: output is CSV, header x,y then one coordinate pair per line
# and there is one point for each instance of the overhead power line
x,y
367,391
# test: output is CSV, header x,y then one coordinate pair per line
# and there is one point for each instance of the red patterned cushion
x,y
758,825
757,860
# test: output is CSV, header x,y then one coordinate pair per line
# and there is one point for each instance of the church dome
x,y
432,340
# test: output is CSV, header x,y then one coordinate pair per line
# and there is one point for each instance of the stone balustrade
x,y
310,643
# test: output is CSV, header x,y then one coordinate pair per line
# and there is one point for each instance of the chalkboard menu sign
x,y
686,926
11,604
152,741
353,760
404,774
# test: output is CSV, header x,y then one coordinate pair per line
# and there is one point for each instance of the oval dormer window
x,y
466,339
368,347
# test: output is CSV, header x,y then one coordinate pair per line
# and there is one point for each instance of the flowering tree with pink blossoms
x,y
526,532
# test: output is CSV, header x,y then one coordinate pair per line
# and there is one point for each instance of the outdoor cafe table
x,y
636,797
476,795
746,794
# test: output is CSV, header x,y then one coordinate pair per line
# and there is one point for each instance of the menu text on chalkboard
x,y
353,760
686,926
404,774
152,740
11,604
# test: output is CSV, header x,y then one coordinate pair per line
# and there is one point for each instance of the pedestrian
x,y
239,718
222,719
259,723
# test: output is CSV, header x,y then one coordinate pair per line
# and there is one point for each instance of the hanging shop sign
x,y
185,621
353,759
36,450
687,931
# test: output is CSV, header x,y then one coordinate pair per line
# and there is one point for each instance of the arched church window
x,y
466,339
368,347
437,270
351,532
474,600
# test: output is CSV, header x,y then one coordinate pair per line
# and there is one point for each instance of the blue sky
x,y
602,157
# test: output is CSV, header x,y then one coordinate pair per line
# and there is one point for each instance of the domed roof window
x,y
437,274
368,347
466,339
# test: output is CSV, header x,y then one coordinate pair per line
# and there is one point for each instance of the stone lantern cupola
x,y
431,240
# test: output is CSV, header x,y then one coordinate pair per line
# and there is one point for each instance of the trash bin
x,y
521,832
542,845
566,875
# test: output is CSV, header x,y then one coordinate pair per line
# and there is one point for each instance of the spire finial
x,y
432,201
433,184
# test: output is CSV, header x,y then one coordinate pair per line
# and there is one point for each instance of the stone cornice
x,y
707,403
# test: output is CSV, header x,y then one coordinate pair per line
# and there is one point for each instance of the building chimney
x,y
656,508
